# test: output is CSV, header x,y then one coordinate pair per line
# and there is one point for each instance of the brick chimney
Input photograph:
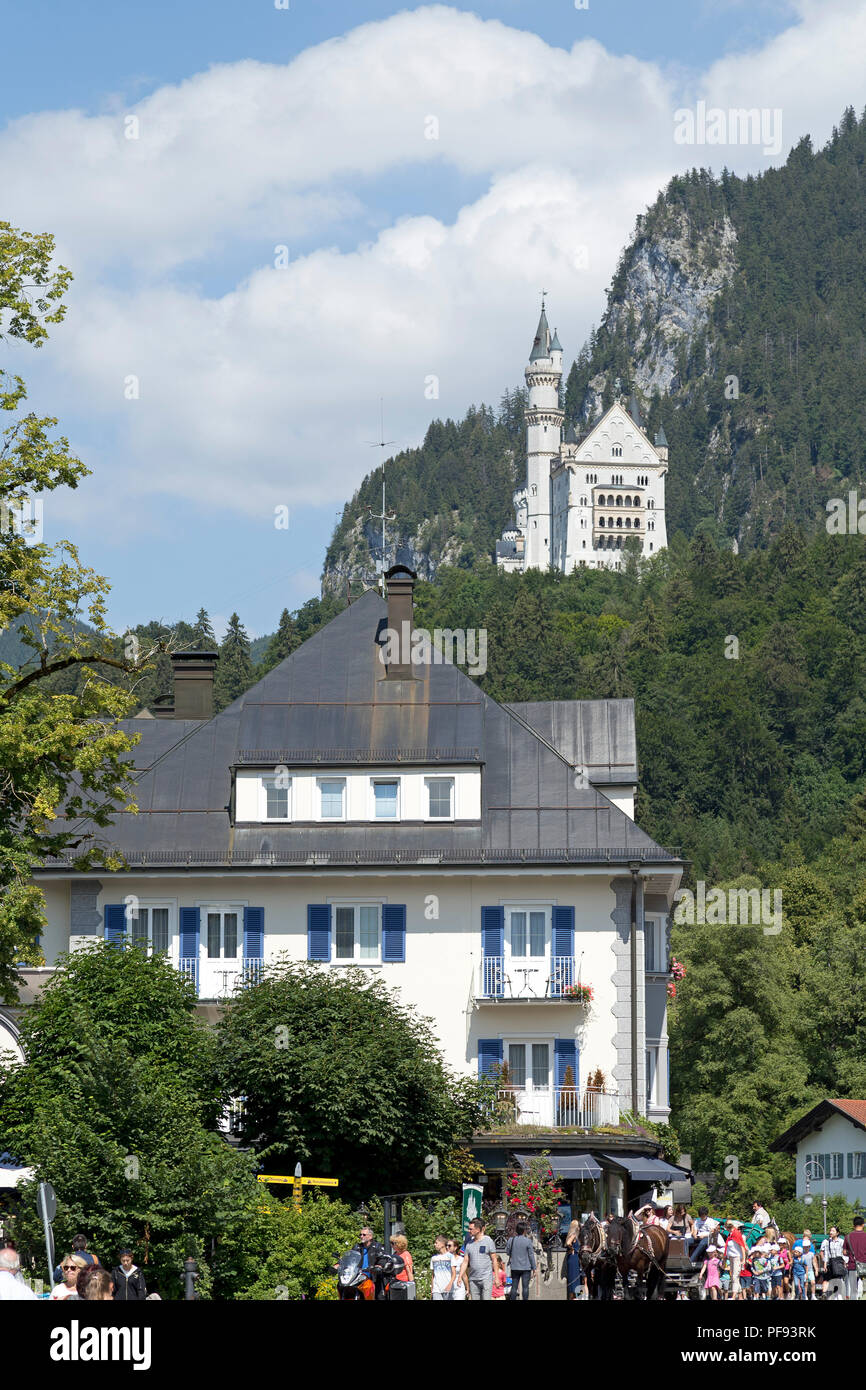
x,y
399,585
193,674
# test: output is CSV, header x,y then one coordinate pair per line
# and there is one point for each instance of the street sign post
x,y
46,1205
299,1182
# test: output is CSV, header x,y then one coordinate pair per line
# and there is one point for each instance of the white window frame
x,y
653,1057
268,779
148,903
547,909
443,778
356,904
655,936
527,1042
390,781
319,784
222,907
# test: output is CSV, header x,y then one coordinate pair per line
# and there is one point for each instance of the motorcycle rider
x,y
372,1253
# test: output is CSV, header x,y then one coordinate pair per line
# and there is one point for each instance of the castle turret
x,y
543,437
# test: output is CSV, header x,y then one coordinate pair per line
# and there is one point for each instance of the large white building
x,y
482,859
584,496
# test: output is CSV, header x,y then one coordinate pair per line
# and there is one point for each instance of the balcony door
x,y
527,951
530,1081
221,950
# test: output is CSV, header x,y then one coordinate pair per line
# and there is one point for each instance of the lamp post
x,y
808,1198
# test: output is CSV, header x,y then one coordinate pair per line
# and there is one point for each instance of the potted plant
x,y
580,993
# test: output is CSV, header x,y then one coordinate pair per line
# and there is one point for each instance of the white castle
x,y
584,496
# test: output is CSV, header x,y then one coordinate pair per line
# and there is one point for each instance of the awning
x,y
566,1166
12,1173
640,1168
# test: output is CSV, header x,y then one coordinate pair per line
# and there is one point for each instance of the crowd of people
x,y
774,1265
472,1270
79,1276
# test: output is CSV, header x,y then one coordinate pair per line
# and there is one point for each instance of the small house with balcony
x,y
354,810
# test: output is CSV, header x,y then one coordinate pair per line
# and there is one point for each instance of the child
x,y
759,1263
443,1272
799,1269
710,1272
499,1283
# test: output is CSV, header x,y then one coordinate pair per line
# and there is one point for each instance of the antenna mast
x,y
383,516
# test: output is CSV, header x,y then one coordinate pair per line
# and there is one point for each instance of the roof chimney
x,y
193,674
400,582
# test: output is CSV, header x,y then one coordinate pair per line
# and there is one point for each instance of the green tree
x,y
114,1105
235,672
340,1075
203,633
59,743
285,640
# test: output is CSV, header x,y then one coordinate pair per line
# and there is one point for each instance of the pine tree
x,y
235,671
203,630
285,640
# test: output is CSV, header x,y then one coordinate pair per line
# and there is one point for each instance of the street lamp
x,y
808,1199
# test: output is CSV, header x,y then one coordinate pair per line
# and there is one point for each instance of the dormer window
x,y
276,795
386,798
332,798
440,798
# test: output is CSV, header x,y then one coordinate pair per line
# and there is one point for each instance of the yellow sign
x,y
316,1182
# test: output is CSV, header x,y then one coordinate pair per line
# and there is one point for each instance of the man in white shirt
x,y
704,1227
12,1286
760,1216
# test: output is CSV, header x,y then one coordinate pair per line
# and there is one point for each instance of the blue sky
x,y
408,257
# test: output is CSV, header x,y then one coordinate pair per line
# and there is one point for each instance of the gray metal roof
x,y
598,735
330,704
541,344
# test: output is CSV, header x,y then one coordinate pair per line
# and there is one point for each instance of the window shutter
x,y
114,919
564,1055
493,931
189,931
254,933
319,931
489,1056
393,932
563,931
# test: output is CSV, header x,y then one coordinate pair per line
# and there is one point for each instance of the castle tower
x,y
543,437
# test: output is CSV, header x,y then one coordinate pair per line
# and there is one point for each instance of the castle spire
x,y
541,345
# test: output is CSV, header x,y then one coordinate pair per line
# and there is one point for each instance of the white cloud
x,y
268,393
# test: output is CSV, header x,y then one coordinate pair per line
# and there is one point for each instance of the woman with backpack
x,y
834,1266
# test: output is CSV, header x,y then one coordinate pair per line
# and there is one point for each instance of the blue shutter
x,y
489,1056
564,1055
492,944
393,932
189,932
319,931
563,948
254,933
114,919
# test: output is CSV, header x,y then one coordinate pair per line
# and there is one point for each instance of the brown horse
x,y
643,1249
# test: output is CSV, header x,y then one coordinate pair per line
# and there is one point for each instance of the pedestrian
x,y
480,1262
400,1247
129,1286
709,1275
573,1267
460,1286
855,1250
95,1285
12,1286
834,1266
79,1247
499,1285
521,1258
798,1269
733,1256
441,1272
70,1268
811,1259
759,1265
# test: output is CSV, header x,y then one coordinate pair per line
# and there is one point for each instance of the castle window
x,y
650,503
628,521
601,521
619,501
628,501
619,542
617,451
619,521
636,524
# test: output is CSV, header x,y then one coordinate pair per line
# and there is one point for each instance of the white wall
x,y
443,951
837,1135
304,804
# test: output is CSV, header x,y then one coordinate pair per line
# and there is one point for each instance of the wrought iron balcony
x,y
541,979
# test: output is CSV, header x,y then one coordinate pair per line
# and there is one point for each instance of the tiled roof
x,y
854,1109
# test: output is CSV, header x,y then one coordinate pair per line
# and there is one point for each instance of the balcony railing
x,y
559,1107
548,977
218,979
